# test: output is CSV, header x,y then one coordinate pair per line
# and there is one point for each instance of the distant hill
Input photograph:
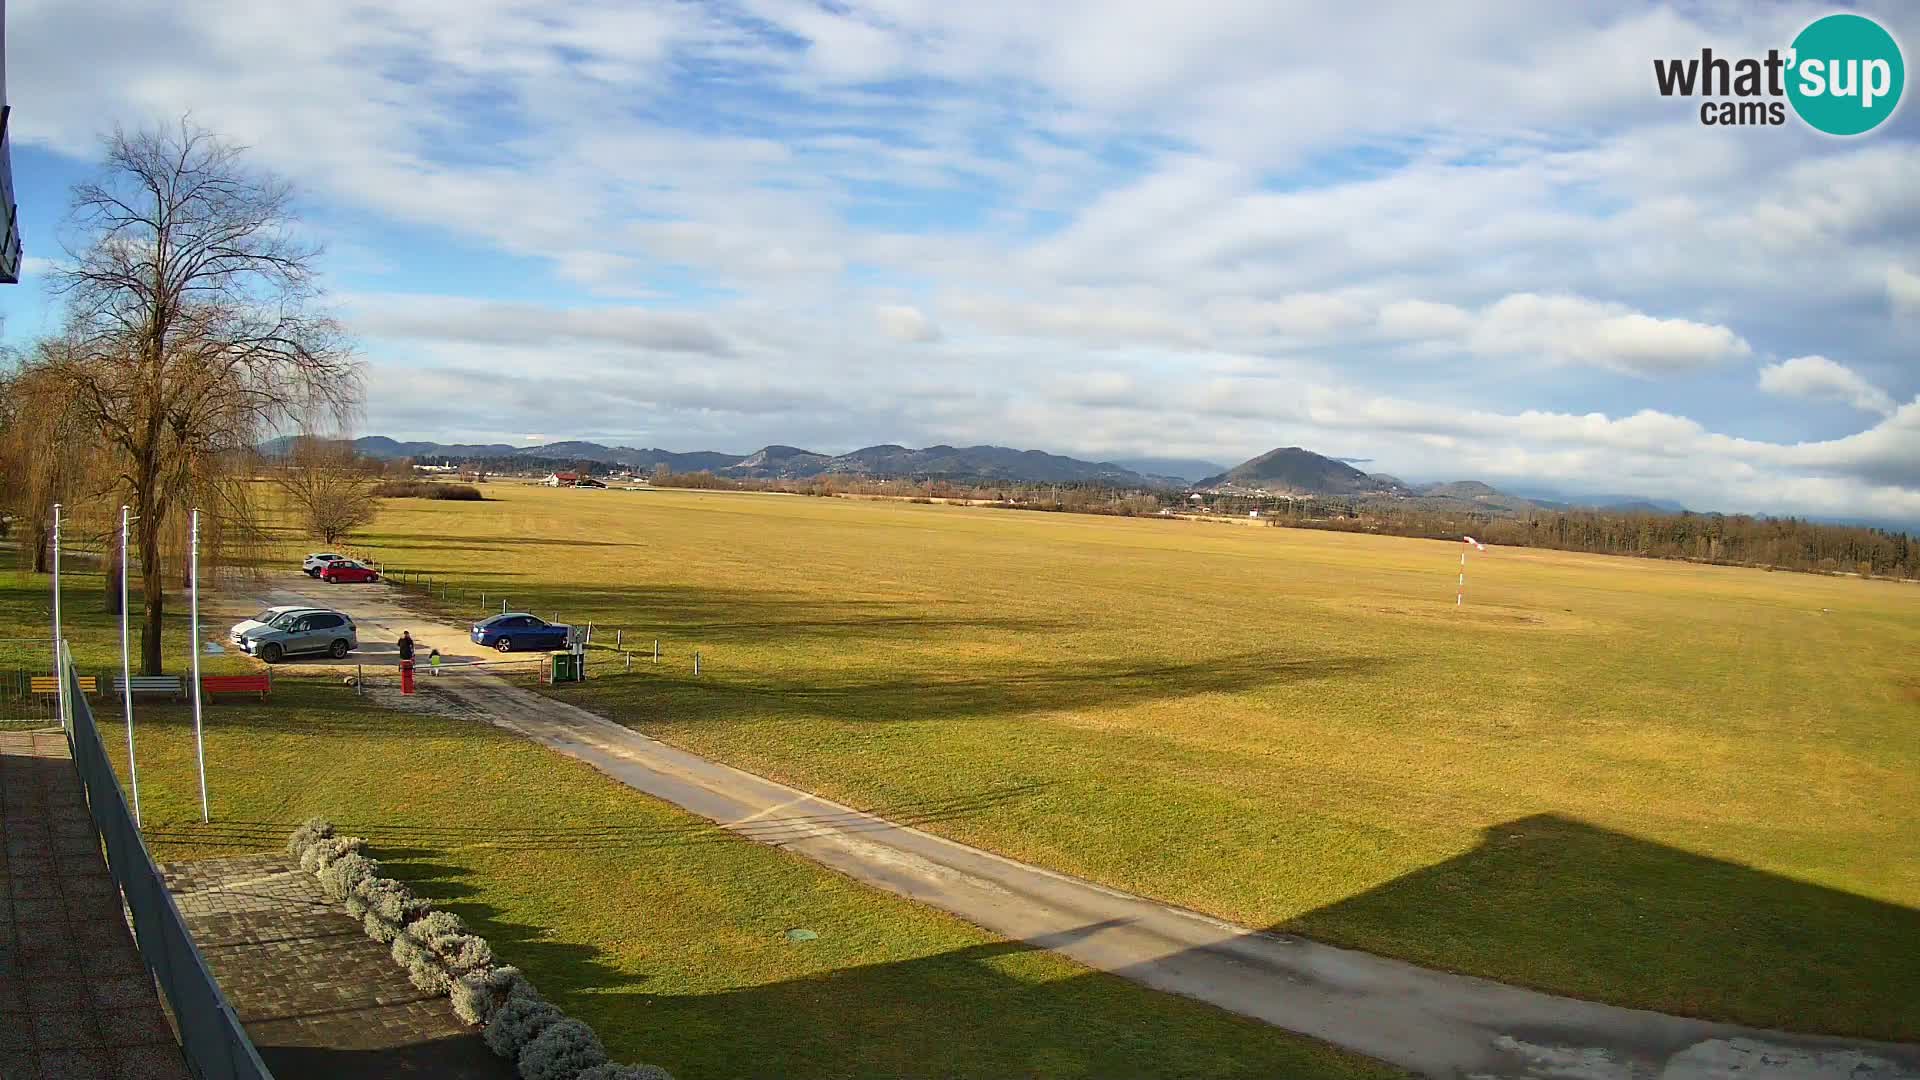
x,y
1185,470
1291,470
780,462
949,462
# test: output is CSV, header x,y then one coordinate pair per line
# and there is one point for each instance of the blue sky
x,y
1462,242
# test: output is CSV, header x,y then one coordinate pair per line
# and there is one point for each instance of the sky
x,y
1461,241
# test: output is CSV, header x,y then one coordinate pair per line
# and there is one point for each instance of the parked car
x,y
516,630
263,618
345,570
314,563
298,632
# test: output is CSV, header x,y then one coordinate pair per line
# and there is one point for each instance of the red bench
x,y
212,685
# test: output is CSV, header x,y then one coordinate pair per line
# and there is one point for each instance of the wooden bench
x,y
215,685
47,684
170,685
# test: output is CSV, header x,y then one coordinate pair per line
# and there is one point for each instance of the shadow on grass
x,y
1003,690
1604,915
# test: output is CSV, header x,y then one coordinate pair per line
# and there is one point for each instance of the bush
x,y
314,829
437,925
625,1072
424,969
321,853
339,877
390,907
426,489
518,1021
561,1050
464,953
477,993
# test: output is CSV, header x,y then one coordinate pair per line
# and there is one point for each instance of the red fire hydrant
x,y
406,676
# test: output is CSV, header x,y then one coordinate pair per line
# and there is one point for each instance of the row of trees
x,y
1741,540
191,331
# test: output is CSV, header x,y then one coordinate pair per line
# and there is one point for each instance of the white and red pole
x,y
1460,593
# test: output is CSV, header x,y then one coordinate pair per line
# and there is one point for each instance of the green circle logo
x,y
1846,74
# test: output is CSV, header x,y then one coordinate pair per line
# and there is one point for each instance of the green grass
x,y
664,933
1669,786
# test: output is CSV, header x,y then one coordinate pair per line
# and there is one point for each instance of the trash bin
x,y
566,667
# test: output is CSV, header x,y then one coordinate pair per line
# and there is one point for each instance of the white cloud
x,y
1574,330
1903,289
1816,378
903,322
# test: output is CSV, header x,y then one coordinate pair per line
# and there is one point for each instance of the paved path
x,y
1428,1021
75,999
318,997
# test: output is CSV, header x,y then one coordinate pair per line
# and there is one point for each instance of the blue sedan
x,y
511,631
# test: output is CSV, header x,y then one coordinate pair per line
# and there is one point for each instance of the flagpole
x,y
193,643
59,674
126,669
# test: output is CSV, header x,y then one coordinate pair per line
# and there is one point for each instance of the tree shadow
x,y
997,690
1599,914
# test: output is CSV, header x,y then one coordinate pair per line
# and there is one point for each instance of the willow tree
x,y
192,331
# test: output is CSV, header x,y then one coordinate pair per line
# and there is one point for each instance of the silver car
x,y
299,632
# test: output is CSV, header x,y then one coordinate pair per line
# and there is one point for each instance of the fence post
x,y
629,657
696,663
656,650
503,607
360,680
589,631
616,638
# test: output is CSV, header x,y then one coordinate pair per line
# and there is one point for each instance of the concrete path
x,y
75,998
1431,1022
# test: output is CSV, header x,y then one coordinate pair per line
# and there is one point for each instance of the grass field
x,y
1670,786
664,933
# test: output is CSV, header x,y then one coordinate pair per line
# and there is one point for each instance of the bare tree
x,y
329,487
48,454
190,330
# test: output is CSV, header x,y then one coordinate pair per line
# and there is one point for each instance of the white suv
x,y
317,562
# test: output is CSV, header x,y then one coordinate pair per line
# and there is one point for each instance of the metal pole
x,y
193,643
126,668
59,671
656,650
696,663
503,607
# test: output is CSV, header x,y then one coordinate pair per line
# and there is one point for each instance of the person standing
x,y
406,647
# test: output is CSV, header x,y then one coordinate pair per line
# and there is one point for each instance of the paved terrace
x,y
318,997
75,999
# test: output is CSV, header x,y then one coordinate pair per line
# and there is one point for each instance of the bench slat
x,y
47,684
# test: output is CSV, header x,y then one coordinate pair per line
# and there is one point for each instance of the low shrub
x,y
339,877
518,1021
464,953
477,993
314,829
322,852
624,1072
434,926
424,969
561,1050
390,908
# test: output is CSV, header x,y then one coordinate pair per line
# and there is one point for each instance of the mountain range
x,y
1289,470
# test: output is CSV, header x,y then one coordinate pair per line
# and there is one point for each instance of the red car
x,y
346,570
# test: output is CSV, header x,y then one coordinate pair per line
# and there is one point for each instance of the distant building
x,y
588,482
561,479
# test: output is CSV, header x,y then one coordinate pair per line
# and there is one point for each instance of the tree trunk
x,y
42,541
153,572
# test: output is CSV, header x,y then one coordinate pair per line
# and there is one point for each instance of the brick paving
x,y
75,999
318,997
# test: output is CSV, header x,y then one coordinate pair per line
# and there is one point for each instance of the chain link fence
x,y
211,1035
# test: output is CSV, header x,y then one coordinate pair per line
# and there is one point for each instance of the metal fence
x,y
23,660
211,1036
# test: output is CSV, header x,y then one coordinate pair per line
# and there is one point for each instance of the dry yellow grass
x,y
1673,786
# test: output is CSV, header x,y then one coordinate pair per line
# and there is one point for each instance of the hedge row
x,y
442,957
